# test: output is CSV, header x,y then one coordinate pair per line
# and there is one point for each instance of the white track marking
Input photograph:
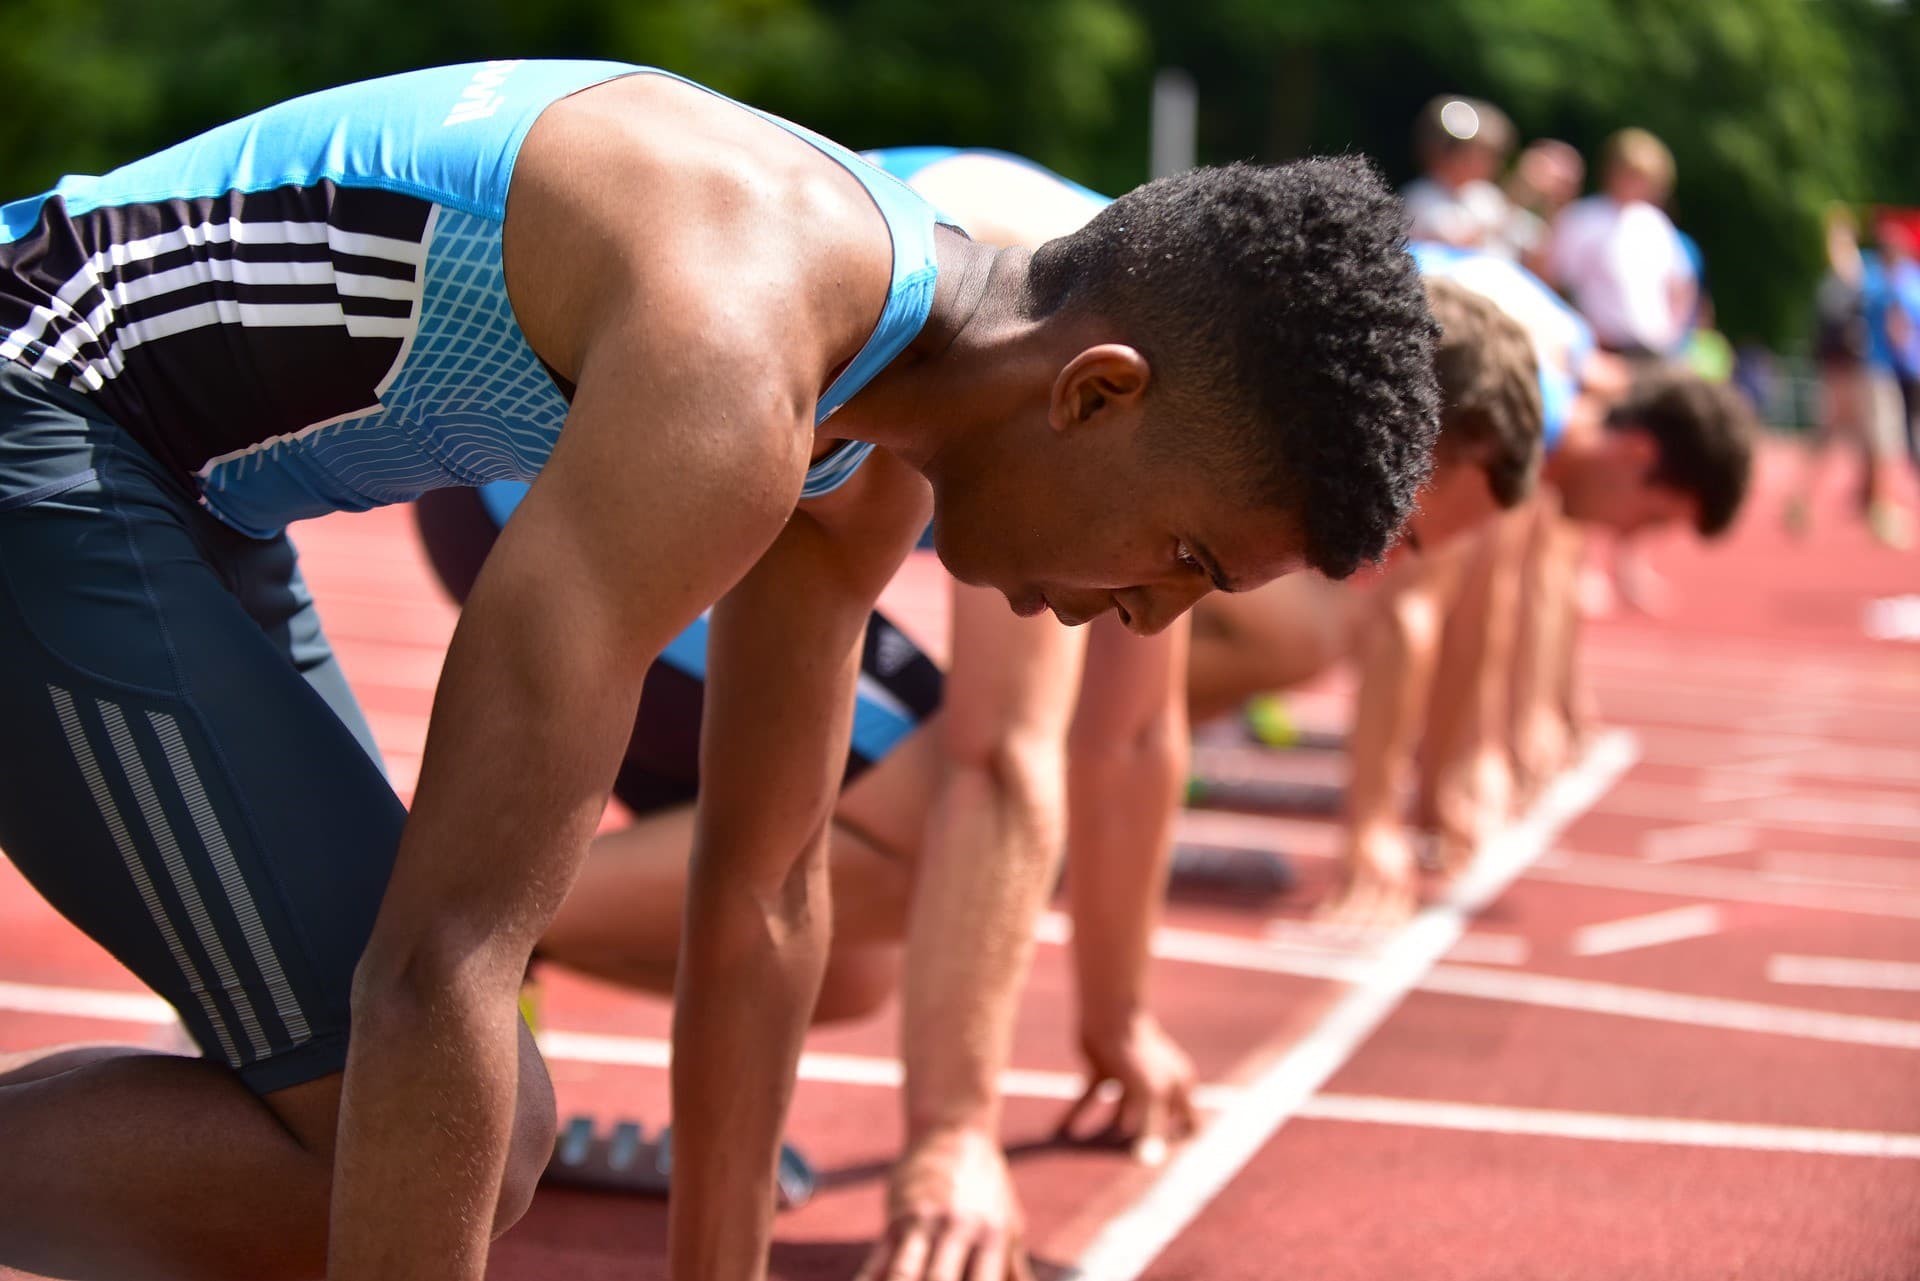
x,y
1549,1123
1882,815
1844,971
1697,840
1725,883
85,1003
1026,1083
1653,1004
1635,932
838,1069
1476,948
1812,758
1133,1239
1863,870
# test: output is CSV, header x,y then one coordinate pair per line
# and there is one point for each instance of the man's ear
x,y
1096,383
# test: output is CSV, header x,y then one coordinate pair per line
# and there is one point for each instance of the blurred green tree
x,y
1772,107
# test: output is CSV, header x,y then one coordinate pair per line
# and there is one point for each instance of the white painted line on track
x,y
85,1003
1478,948
1635,932
1872,871
1657,1006
1130,1242
1725,883
1548,1123
839,1069
1877,815
1031,1083
1844,971
1697,840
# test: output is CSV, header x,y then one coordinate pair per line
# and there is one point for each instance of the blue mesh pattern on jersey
x,y
470,403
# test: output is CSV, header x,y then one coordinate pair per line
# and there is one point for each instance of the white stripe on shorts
x,y
109,811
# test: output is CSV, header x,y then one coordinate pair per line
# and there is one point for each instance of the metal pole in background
x,y
1176,122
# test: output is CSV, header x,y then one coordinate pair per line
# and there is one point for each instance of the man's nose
x,y
1149,611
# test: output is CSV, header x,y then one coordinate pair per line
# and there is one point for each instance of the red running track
x,y
1681,1044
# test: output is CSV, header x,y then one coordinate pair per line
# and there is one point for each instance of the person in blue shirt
x,y
735,362
1903,317
1856,319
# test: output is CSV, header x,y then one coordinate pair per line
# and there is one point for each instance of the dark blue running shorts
x,y
184,773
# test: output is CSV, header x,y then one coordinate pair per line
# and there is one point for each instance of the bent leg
x,y
186,785
1278,636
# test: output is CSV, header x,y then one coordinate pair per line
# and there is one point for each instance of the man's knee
x,y
858,981
531,1145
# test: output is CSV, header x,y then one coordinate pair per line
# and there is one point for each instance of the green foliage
x,y
1772,107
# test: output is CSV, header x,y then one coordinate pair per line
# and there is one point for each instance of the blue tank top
x,y
304,311
1495,277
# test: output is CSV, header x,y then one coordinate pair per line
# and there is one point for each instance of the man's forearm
x,y
749,971
1126,771
1398,653
434,1059
994,841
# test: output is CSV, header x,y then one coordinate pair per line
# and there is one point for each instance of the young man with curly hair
x,y
732,358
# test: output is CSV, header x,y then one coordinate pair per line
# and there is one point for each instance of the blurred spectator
x,y
1545,179
1620,258
1461,144
1903,318
1756,373
1859,392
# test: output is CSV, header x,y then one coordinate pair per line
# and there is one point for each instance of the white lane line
x,y
1726,883
1843,971
1635,932
1657,1006
1877,815
1477,948
1133,1239
1863,870
1699,840
1550,1123
839,1069
84,1003
1030,1083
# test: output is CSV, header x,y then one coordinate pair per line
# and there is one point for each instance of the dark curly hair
x,y
1490,416
1279,308
1703,433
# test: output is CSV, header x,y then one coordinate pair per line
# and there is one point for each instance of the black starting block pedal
x,y
1266,794
623,1160
1231,868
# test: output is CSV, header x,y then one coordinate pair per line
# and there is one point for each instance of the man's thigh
x,y
175,785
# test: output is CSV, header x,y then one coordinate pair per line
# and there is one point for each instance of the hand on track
x,y
1383,884
1155,1076
951,1214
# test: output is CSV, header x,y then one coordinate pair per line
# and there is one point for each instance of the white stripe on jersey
x,y
89,328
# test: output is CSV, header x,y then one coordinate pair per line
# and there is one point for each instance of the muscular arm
x,y
994,837
616,549
1127,768
1465,776
784,658
1398,648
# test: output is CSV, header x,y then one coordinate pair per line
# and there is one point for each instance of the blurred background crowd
x,y
1735,183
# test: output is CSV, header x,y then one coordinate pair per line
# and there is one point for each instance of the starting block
x,y
624,1160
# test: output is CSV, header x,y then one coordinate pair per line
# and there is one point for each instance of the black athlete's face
x,y
1076,516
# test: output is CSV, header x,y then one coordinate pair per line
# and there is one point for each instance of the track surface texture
x,y
1672,1030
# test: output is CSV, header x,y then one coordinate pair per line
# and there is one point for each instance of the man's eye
x,y
1184,554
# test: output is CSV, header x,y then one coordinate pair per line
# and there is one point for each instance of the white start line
x,y
1127,1246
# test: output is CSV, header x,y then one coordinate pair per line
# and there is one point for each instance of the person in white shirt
x,y
1619,257
1462,143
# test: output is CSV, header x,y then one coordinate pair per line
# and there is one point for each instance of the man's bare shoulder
x,y
649,193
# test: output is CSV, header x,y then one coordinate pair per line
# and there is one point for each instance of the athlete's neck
x,y
971,364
